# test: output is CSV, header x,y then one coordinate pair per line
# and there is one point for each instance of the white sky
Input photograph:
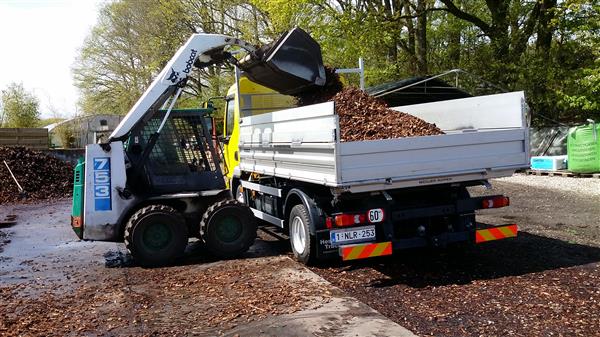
x,y
39,40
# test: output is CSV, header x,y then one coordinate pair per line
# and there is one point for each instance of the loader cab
x,y
255,99
184,157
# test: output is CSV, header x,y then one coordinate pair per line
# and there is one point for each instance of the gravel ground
x,y
546,282
582,186
56,285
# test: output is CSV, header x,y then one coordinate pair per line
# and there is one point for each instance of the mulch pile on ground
x,y
175,301
364,117
530,286
41,176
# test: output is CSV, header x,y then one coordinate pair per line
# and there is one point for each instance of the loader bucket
x,y
290,65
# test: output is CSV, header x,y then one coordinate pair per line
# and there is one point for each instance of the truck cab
x,y
254,99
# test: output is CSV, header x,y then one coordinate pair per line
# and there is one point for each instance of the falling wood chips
x,y
364,117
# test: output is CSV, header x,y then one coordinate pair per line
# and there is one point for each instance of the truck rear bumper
x,y
496,233
367,250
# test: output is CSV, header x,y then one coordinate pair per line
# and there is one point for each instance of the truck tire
x,y
228,229
303,244
156,235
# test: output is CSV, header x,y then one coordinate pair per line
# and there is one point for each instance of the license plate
x,y
350,235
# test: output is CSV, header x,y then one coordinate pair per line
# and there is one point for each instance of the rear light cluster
x,y
343,220
495,202
351,219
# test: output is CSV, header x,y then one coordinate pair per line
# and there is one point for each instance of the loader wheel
x,y
303,244
156,235
228,229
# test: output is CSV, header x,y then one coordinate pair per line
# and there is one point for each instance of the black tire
x,y
156,235
228,229
302,242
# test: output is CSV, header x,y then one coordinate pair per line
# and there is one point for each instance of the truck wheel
x,y
303,244
228,228
156,235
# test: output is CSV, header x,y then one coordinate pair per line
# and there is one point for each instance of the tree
x,y
548,48
133,40
124,52
19,107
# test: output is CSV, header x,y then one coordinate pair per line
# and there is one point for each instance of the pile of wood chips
x,y
41,176
363,117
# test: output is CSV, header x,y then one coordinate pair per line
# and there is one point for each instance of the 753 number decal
x,y
102,195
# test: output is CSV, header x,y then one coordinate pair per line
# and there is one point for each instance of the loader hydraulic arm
x,y
200,50
289,65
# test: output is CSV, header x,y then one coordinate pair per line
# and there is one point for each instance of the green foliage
x,y
124,52
20,108
66,134
549,48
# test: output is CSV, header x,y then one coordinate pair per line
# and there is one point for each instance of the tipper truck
x,y
160,179
362,199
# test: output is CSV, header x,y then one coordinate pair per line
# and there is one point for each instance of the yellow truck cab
x,y
254,99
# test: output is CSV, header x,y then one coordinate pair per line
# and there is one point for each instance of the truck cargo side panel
x,y
303,144
482,112
304,164
297,144
409,158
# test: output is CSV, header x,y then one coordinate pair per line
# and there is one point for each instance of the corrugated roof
x,y
415,90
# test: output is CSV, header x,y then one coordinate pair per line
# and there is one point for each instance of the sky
x,y
39,41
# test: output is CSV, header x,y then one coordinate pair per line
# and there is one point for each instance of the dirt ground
x,y
546,282
52,284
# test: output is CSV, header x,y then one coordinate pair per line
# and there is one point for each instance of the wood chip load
x,y
41,176
364,117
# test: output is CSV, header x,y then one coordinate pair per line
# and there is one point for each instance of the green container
x,y
583,148
77,208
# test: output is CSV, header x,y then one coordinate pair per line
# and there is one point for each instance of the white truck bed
x,y
486,137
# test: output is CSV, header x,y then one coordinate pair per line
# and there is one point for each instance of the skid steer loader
x,y
159,178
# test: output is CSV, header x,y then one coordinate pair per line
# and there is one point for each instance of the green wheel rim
x,y
157,236
229,229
